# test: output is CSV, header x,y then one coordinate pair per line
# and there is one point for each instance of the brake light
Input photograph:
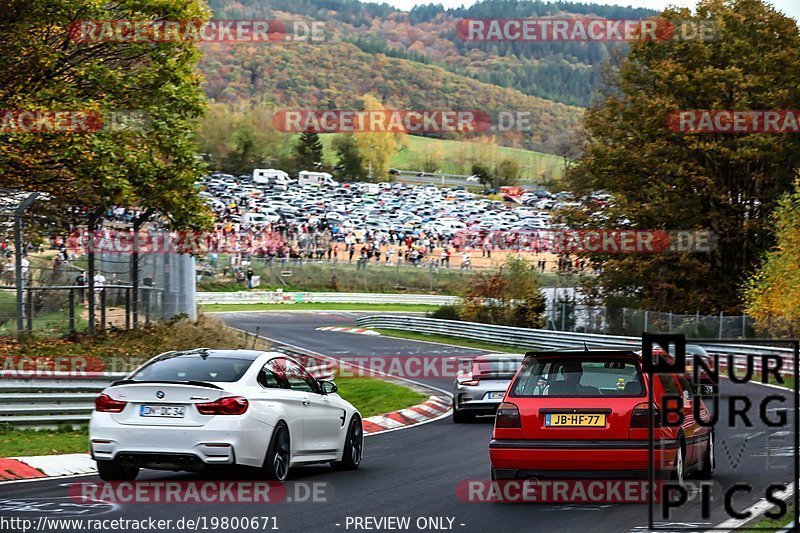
x,y
470,383
641,416
106,404
230,405
507,416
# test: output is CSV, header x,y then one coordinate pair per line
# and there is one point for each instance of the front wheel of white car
x,y
353,446
111,471
276,463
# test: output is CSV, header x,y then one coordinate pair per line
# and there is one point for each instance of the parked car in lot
x,y
572,413
192,410
480,387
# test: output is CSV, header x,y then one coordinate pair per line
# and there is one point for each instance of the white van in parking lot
x,y
316,179
270,176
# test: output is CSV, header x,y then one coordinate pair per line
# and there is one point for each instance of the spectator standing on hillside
x,y
80,281
466,261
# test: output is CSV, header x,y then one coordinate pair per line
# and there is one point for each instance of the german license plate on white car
x,y
495,395
165,411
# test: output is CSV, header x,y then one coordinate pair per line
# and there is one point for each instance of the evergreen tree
x,y
349,160
308,151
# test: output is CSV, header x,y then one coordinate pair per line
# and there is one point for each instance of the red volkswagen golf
x,y
582,413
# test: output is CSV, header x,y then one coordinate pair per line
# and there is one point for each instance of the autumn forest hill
x,y
414,60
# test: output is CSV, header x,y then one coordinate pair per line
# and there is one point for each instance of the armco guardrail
x,y
548,339
66,398
267,297
59,398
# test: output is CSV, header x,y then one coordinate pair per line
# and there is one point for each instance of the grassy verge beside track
x,y
409,308
770,524
23,442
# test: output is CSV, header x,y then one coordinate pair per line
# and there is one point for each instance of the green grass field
x,y
457,157
318,307
371,397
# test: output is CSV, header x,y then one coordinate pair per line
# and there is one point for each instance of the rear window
x,y
495,368
193,368
580,378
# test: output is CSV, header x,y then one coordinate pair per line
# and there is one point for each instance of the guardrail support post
x,y
72,310
127,309
29,309
103,309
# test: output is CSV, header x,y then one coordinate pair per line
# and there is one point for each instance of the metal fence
x,y
566,315
55,297
734,354
273,297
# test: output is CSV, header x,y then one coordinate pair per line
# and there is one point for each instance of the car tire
x,y
709,461
276,463
679,470
461,417
353,446
112,471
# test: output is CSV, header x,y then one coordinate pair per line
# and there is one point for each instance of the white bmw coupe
x,y
191,410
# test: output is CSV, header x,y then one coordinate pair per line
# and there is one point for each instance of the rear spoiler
x,y
193,383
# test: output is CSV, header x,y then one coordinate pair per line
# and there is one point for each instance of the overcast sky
x,y
790,7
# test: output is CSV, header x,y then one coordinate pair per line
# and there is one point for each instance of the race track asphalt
x,y
414,472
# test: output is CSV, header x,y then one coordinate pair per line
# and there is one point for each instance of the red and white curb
x,y
358,331
434,407
42,466
76,464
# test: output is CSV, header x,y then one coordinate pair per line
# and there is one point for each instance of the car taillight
x,y
105,404
641,416
230,405
470,383
507,416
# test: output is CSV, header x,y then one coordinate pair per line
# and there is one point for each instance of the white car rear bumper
x,y
222,441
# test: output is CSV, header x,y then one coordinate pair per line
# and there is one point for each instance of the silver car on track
x,y
481,384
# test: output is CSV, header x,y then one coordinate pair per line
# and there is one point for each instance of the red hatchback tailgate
x,y
578,396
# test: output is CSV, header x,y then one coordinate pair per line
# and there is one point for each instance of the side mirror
x,y
705,391
328,387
